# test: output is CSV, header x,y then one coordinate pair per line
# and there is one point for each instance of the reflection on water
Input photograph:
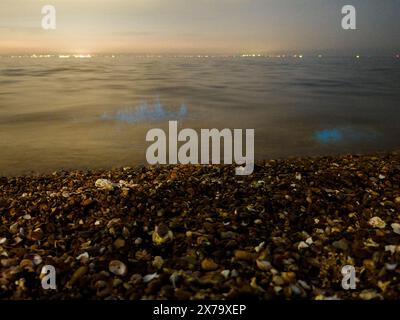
x,y
146,113
89,113
329,135
349,135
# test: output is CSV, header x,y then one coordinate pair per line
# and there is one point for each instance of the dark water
x,y
94,113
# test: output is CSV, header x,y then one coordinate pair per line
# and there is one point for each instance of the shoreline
x,y
201,232
140,165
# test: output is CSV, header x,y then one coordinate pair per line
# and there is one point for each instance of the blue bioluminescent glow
x,y
329,135
146,113
346,135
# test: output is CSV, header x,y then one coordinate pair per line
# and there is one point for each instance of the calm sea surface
x,y
94,113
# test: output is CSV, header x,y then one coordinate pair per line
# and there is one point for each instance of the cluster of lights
x,y
251,55
61,56
174,56
77,56
254,55
34,56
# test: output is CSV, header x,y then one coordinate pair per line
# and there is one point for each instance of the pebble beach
x,y
201,232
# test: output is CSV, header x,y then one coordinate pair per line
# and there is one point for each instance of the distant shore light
x,y
82,56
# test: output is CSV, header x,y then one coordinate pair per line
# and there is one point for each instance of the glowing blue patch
x,y
329,136
146,113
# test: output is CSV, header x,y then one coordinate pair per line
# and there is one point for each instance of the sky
x,y
199,26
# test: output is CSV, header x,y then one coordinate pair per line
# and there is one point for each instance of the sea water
x,y
95,112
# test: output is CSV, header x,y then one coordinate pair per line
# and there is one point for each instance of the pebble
x,y
104,184
263,265
14,228
37,260
83,257
368,294
136,279
396,227
309,241
208,264
27,264
158,262
36,234
189,234
78,274
8,262
150,277
228,235
87,202
341,244
391,266
377,222
174,278
118,268
302,245
277,280
392,248
225,273
288,277
260,247
244,255
234,273
119,243
161,235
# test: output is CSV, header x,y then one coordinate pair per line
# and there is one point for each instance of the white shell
x,y
396,227
377,222
118,268
104,184
149,277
